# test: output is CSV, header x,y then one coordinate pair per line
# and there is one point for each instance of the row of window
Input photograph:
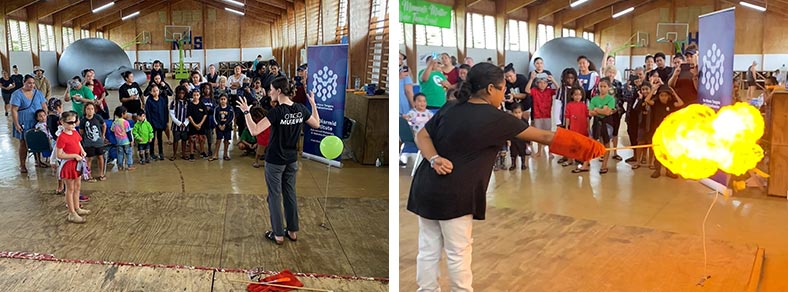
x,y
19,36
481,34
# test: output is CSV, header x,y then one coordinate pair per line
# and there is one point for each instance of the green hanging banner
x,y
424,12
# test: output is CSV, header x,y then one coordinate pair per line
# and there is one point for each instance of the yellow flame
x,y
695,141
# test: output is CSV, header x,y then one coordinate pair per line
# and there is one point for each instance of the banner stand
x,y
322,159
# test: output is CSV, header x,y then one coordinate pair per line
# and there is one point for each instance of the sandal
x,y
616,157
566,163
652,167
227,158
23,169
101,178
636,166
602,170
270,236
256,165
287,234
172,158
212,158
579,170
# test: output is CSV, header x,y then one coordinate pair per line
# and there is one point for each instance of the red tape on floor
x,y
52,258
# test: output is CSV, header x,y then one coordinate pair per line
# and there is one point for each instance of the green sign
x,y
426,13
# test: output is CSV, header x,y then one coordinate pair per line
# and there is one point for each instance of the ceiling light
x,y
753,6
576,3
105,6
130,16
234,2
622,12
234,11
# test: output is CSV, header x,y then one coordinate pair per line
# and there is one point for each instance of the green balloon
x,y
331,147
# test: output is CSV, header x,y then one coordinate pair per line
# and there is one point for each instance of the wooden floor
x,y
201,230
528,251
32,275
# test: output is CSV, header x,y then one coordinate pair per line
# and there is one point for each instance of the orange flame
x,y
695,141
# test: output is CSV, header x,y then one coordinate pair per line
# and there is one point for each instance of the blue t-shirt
x,y
404,106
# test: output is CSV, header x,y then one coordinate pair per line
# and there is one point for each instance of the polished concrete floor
x,y
227,196
630,197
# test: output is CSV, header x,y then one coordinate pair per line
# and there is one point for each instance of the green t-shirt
x,y
85,92
433,89
247,136
601,102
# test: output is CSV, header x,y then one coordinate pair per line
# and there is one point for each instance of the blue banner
x,y
328,70
716,58
715,88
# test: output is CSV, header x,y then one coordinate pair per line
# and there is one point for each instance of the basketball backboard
x,y
672,32
641,39
175,33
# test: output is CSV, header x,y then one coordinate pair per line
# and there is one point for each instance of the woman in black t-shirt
x,y
449,191
281,158
131,94
516,92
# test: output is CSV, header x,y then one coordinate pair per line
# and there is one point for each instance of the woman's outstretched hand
x,y
242,104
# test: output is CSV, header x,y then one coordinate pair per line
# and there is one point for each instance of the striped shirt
x,y
179,109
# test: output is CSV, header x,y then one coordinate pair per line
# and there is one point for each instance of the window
x,y
589,36
568,32
378,44
68,36
517,35
18,36
100,34
544,33
85,34
402,36
342,27
46,37
435,36
480,31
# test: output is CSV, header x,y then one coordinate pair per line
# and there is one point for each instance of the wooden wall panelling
x,y
57,27
749,35
313,22
11,6
617,35
112,11
74,12
301,32
4,47
483,7
460,21
500,31
32,27
532,23
223,29
47,8
358,20
329,15
775,36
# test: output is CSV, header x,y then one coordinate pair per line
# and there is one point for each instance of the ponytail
x,y
464,92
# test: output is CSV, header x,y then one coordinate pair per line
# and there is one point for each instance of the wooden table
x,y
778,158
370,135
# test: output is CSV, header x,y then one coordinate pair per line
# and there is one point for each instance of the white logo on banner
x,y
713,69
325,83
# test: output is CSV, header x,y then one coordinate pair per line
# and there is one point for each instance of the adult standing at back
x,y
24,104
449,70
99,92
449,188
686,83
540,72
212,76
516,91
8,87
274,72
587,76
750,79
78,95
433,84
19,79
663,70
157,70
130,94
42,83
281,159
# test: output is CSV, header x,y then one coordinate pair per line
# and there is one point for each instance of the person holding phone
x,y
685,76
433,83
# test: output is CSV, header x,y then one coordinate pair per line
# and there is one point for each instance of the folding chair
x,y
347,131
408,144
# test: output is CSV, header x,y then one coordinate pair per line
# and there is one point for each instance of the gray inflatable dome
x,y
103,55
561,53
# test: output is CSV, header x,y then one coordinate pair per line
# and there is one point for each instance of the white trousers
x,y
455,237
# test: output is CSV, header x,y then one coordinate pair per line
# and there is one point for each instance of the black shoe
x,y
562,160
270,236
631,159
191,157
204,155
287,234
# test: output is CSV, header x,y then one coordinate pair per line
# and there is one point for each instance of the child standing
x,y
418,116
143,135
156,107
543,102
70,150
636,122
517,146
223,116
122,131
197,113
41,125
180,122
207,98
576,119
667,102
600,107
93,127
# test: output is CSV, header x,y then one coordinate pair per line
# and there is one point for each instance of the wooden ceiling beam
x,y
86,20
11,6
472,2
572,14
48,8
638,11
249,12
590,19
268,9
551,7
512,6
74,12
155,8
281,4
129,10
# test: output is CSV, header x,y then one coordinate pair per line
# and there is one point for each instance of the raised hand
x,y
242,104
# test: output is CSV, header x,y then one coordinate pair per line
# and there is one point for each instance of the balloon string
x,y
630,147
325,200
703,228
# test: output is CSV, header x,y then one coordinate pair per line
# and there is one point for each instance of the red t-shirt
x,y
543,101
264,137
98,90
453,76
69,143
577,113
